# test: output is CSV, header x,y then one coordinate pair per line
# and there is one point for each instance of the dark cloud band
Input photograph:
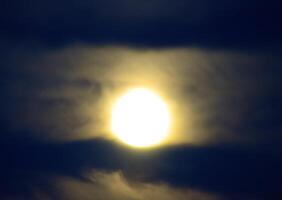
x,y
228,170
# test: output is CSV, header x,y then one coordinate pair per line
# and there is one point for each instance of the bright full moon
x,y
140,118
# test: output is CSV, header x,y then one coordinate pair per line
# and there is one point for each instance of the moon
x,y
140,118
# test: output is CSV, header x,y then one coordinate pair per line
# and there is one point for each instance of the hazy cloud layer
x,y
215,96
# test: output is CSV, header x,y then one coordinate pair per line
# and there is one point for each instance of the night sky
x,y
218,63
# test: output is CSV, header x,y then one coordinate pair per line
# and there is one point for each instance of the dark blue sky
x,y
205,23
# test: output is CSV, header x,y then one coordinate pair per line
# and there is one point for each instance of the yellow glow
x,y
140,118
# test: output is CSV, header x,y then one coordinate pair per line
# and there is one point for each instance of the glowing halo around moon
x,y
140,118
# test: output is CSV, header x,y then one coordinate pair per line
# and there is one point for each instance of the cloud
x,y
32,168
114,185
215,96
